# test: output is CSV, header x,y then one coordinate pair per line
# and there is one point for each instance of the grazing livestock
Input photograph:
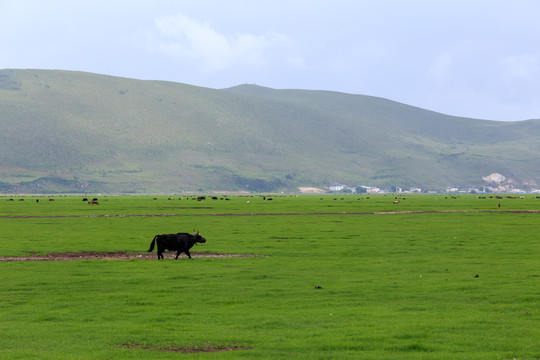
x,y
181,243
93,202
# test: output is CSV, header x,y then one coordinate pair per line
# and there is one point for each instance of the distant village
x,y
495,183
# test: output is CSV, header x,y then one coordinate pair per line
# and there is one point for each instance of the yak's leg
x,y
177,254
188,254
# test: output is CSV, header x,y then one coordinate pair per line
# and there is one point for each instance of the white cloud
x,y
441,66
188,39
525,66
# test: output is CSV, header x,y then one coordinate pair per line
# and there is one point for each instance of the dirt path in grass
x,y
118,255
276,214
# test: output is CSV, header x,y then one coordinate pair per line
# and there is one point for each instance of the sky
x,y
470,58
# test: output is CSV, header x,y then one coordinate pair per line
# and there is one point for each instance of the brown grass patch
x,y
187,349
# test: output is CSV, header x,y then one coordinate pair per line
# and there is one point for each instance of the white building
x,y
336,187
372,190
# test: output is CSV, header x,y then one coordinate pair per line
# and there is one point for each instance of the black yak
x,y
181,243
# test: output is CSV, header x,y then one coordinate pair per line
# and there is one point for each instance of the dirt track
x,y
119,255
279,214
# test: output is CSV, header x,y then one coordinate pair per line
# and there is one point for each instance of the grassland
x,y
342,278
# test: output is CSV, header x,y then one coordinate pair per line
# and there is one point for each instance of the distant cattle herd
x,y
94,201
397,200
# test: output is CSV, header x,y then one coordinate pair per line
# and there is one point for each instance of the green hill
x,y
79,132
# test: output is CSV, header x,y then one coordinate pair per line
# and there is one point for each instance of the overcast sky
x,y
472,58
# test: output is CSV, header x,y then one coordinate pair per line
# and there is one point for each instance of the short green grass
x,y
340,279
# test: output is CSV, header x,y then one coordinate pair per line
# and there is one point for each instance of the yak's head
x,y
198,237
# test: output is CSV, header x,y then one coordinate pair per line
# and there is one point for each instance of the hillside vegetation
x,y
80,132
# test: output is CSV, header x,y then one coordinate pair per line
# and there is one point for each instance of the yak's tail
x,y
153,243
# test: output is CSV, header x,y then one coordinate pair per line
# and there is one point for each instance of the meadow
x,y
339,277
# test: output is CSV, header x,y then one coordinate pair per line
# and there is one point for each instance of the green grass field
x,y
342,277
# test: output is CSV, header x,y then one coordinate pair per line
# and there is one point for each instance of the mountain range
x,y
65,131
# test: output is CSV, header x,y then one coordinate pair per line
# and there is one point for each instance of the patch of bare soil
x,y
186,349
118,255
